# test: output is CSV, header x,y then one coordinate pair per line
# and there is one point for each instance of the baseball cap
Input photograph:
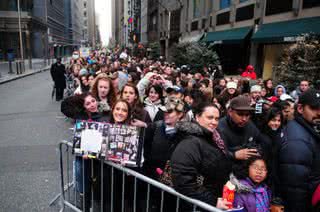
x,y
175,88
173,104
241,103
310,97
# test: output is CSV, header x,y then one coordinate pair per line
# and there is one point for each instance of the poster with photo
x,y
89,136
118,143
124,144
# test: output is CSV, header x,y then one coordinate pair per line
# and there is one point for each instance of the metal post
x,y
20,32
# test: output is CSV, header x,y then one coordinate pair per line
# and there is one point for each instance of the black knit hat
x,y
310,97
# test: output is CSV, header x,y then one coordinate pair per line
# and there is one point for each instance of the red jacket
x,y
249,74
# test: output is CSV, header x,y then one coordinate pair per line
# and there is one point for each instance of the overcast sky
x,y
103,10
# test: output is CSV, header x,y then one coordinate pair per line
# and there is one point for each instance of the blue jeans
x,y
82,174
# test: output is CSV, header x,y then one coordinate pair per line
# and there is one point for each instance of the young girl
x,y
252,193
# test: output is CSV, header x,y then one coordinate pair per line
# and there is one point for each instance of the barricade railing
x,y
117,187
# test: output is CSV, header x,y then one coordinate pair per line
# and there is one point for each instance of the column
x,y
28,45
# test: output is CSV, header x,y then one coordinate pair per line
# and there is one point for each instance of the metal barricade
x,y
109,198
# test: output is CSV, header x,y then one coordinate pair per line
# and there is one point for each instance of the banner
x,y
118,143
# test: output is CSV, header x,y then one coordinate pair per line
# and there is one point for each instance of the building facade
x,y
89,23
33,28
246,31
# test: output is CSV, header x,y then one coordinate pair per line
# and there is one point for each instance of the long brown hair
x,y
111,95
128,119
137,107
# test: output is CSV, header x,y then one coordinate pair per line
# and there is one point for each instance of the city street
x,y
30,128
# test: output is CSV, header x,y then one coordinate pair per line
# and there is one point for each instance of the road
x,y
30,128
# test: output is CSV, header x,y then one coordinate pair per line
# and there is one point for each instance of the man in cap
x,y
238,131
299,156
175,92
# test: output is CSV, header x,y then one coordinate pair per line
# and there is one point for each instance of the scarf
x,y
262,198
218,141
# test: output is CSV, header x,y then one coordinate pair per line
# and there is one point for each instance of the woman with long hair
x,y
153,100
103,90
140,117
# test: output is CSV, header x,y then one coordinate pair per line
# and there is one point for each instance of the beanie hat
x,y
83,72
255,88
232,85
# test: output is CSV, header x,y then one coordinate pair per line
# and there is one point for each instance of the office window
x,y
224,4
310,3
196,8
223,18
245,13
276,6
194,26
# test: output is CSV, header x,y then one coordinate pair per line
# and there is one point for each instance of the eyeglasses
x,y
257,168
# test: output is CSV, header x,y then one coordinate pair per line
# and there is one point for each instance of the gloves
x,y
316,196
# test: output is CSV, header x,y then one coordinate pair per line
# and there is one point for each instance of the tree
x,y
299,61
195,54
154,50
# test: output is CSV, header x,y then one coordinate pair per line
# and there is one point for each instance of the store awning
x,y
286,31
231,36
191,38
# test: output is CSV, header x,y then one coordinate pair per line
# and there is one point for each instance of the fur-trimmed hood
x,y
191,128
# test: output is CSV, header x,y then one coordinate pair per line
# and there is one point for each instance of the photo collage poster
x,y
118,143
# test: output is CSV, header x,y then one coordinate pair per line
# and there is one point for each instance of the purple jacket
x,y
247,199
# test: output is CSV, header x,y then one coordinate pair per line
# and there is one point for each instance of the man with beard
x,y
299,156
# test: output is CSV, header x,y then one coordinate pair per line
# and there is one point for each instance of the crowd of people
x,y
203,129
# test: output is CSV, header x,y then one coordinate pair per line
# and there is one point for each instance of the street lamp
x,y
20,33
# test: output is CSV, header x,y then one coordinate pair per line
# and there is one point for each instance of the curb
x,y
24,75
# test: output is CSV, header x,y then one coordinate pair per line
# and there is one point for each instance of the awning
x,y
236,35
194,38
286,31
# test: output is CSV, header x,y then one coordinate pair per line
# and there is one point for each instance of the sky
x,y
103,11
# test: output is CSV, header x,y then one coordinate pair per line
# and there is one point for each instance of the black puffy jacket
x,y
299,165
197,154
237,138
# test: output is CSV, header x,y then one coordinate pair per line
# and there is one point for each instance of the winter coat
x,y
152,107
237,138
299,165
249,74
158,147
197,154
58,75
245,197
271,146
296,93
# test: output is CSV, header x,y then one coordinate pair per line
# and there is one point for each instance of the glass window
x,y
241,1
196,8
224,4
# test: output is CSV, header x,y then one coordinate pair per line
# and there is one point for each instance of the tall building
x,y
170,21
126,22
149,21
89,23
33,28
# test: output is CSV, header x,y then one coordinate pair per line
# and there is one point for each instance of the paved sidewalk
x,y
10,77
